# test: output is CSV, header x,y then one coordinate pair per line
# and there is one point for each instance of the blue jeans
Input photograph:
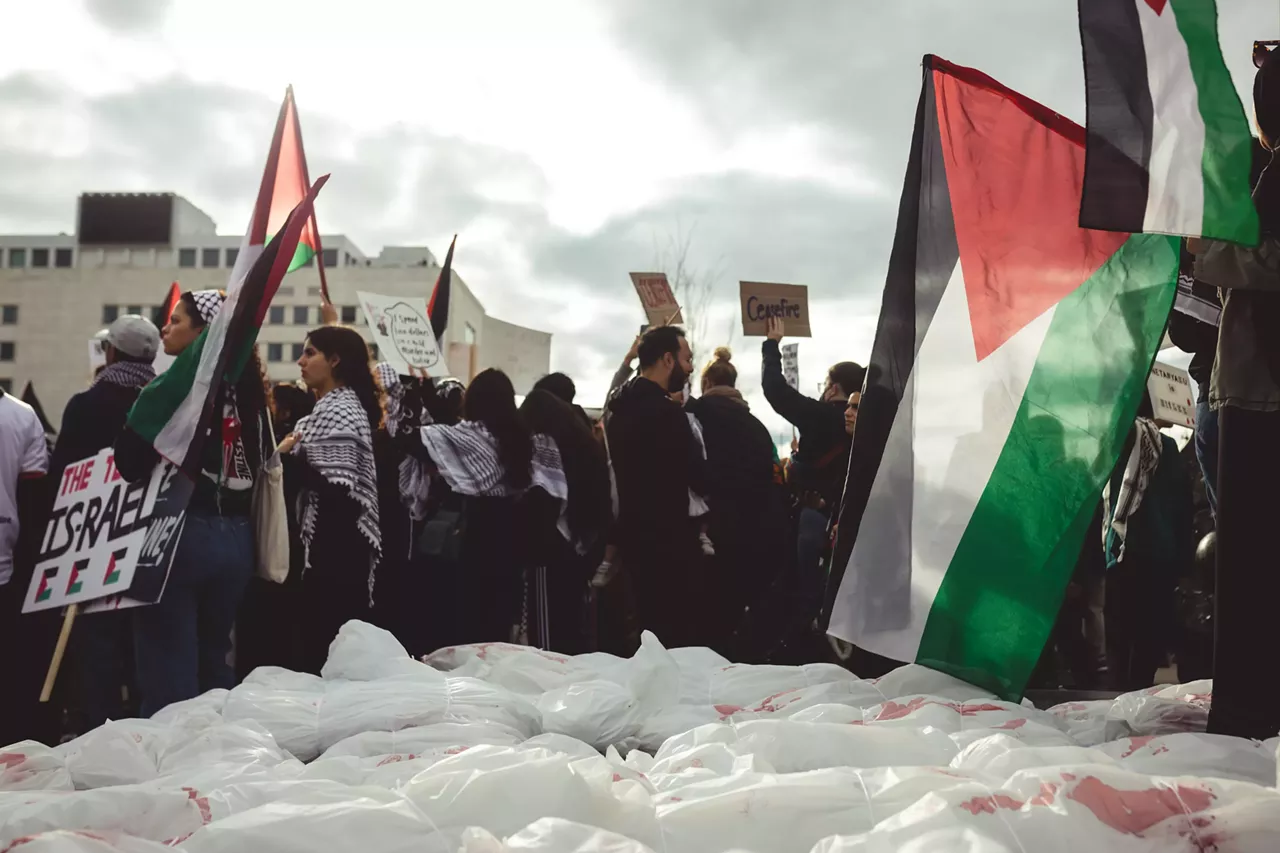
x,y
182,641
1207,450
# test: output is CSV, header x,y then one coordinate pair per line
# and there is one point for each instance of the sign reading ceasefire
x,y
762,302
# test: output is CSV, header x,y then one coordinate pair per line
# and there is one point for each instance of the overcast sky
x,y
566,141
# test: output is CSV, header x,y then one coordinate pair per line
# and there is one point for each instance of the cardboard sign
x,y
761,301
106,537
1171,397
402,330
791,364
656,296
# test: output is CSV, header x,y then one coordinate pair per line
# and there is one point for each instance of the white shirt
x,y
23,453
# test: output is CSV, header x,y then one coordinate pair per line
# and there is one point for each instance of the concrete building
x,y
56,291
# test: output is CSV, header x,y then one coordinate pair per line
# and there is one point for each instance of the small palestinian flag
x,y
29,397
1012,351
1169,146
170,410
163,360
285,182
438,307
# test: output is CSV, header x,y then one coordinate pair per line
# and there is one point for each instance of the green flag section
x,y
170,410
1011,354
1169,147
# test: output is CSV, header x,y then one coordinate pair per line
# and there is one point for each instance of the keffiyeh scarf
x,y
208,304
466,456
336,442
1144,458
126,374
414,475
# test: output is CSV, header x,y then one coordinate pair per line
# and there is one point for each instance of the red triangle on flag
x,y
1158,5
1014,171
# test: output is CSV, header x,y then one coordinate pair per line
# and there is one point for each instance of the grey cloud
x,y
129,16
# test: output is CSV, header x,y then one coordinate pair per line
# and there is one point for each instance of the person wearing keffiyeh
x,y
1149,544
181,643
331,454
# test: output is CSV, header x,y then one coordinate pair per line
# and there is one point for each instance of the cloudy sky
x,y
567,141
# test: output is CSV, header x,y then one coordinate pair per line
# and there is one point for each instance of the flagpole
x,y
315,224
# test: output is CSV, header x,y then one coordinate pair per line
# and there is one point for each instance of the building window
x,y
297,352
275,352
284,291
7,350
135,309
232,254
39,257
62,258
9,315
209,257
330,257
468,334
186,257
313,291
7,385
301,315
109,314
348,313
276,316
17,258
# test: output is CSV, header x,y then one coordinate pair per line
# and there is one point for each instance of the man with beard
x,y
656,463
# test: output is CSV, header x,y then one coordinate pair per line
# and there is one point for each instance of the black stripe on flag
x,y
924,257
1120,117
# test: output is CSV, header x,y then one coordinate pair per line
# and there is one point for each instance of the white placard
x,y
791,364
1171,397
97,354
402,331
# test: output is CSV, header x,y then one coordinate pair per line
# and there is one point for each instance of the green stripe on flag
x,y
163,395
301,255
1229,213
1000,596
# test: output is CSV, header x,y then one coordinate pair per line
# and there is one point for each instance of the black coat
x,y
822,460
92,421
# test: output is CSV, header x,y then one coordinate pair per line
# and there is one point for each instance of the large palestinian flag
x,y
171,409
1169,147
1012,350
285,182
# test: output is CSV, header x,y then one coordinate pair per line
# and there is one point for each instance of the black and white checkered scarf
x,y
414,475
1144,458
336,442
126,374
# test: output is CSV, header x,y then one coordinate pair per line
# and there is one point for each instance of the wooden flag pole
x,y
68,619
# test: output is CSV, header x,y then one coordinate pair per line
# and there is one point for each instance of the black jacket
x,y
656,461
92,420
739,450
822,460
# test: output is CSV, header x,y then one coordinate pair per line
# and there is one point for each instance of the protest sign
x,y
1170,389
762,301
402,331
791,364
107,537
97,353
656,296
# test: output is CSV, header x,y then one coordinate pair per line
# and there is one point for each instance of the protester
x,y
748,522
657,463
181,642
24,461
561,386
100,653
1246,393
821,462
331,455
588,515
1150,545
493,461
292,404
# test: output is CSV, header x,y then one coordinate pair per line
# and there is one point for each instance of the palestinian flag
x,y
1012,351
171,409
285,182
438,306
29,397
1169,146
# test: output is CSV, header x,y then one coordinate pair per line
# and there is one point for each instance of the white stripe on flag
x,y
962,413
1175,200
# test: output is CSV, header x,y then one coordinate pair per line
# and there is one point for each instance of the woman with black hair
x,y
331,454
569,566
181,642
492,460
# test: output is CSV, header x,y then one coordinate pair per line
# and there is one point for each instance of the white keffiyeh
x,y
1144,458
336,441
208,304
413,474
466,456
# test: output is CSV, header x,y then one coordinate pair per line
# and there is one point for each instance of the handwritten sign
x,y
656,296
791,364
761,301
106,536
1170,389
402,330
